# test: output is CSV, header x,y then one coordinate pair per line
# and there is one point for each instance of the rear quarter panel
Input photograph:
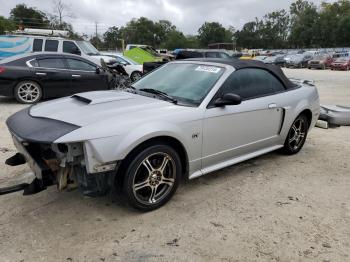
x,y
295,102
12,76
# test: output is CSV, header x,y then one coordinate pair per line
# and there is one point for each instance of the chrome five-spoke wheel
x,y
297,135
152,178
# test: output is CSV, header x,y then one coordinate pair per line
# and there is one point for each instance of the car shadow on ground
x,y
115,203
7,100
13,101
253,167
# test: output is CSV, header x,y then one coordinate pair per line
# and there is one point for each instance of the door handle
x,y
272,106
40,74
76,76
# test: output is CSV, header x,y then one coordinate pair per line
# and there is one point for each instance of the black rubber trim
x,y
283,120
37,129
240,64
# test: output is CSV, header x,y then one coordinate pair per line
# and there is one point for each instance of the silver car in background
x,y
184,120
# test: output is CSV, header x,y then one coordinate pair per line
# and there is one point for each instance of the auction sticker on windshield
x,y
209,69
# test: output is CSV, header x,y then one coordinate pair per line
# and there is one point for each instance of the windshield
x,y
187,83
88,48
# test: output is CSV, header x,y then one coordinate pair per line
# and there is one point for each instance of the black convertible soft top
x,y
240,64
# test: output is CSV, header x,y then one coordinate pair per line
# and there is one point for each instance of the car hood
x,y
97,59
93,108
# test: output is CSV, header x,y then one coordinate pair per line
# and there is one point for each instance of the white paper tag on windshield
x,y
209,69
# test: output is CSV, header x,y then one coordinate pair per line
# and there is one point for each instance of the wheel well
x,y
167,140
308,114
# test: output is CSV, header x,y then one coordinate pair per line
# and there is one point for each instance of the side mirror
x,y
98,70
228,100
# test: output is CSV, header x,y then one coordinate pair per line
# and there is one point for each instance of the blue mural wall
x,y
14,45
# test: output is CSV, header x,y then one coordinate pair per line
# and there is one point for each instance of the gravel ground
x,y
272,208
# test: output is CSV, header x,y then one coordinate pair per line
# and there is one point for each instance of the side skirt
x,y
233,161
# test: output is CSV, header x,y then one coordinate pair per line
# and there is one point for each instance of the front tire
x,y
297,135
28,92
152,177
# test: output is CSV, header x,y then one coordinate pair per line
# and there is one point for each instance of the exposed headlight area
x,y
63,165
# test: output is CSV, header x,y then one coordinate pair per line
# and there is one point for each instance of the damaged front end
x,y
61,164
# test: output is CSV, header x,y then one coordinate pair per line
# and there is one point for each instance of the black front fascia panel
x,y
37,129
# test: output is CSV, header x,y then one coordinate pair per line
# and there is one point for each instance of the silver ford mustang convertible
x,y
184,120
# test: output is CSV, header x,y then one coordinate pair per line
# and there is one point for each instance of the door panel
x,y
84,76
87,81
55,80
55,83
233,131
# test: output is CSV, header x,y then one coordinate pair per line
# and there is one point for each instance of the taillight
x,y
2,70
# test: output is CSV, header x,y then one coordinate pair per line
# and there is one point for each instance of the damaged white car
x,y
184,120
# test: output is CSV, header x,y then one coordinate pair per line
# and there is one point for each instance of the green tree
x,y
274,28
97,42
175,39
230,34
343,38
146,31
192,41
112,38
211,32
6,25
248,37
140,31
162,29
334,24
305,20
29,17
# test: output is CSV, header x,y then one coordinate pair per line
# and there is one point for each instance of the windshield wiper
x,y
130,89
159,93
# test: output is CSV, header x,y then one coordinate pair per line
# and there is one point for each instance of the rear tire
x,y
28,92
152,177
296,136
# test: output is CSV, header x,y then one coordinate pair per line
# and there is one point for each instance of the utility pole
x,y
96,34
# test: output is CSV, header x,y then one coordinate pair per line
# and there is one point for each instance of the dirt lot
x,y
272,208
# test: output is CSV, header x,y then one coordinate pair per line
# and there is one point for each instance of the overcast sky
x,y
187,15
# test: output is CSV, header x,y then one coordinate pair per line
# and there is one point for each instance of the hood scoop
x,y
92,98
82,99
